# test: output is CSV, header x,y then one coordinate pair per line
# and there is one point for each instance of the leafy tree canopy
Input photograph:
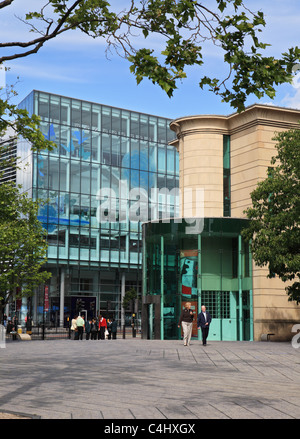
x,y
129,298
185,28
275,215
22,245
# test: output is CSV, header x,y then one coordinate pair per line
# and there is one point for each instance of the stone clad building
x,y
221,158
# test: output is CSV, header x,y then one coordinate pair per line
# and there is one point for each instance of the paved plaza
x,y
150,379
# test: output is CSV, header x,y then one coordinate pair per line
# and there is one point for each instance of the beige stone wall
x,y
200,144
201,163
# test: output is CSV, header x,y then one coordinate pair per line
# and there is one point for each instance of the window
x,y
217,303
76,113
82,241
226,176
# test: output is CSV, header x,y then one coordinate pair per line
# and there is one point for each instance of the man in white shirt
x,y
80,327
203,322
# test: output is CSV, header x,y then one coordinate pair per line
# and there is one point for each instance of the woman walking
x,y
186,320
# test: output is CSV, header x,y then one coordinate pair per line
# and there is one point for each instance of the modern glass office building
x,y
91,184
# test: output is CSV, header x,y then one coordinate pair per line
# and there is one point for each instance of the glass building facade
x,y
94,245
212,267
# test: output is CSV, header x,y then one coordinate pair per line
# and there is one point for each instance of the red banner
x,y
46,298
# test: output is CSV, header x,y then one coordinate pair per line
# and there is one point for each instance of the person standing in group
x,y
114,327
203,322
186,320
109,329
88,329
80,327
74,327
94,329
102,327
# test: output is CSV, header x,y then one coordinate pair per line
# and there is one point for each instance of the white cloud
x,y
292,101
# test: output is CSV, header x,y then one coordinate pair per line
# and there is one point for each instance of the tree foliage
x,y
275,215
129,298
22,245
184,28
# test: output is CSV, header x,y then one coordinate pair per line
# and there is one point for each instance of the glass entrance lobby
x,y
211,268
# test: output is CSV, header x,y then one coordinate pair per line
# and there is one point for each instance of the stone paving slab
x,y
150,379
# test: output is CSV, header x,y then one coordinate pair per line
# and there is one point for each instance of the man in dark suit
x,y
203,322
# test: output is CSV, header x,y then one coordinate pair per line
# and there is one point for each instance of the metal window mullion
x,y
161,287
199,279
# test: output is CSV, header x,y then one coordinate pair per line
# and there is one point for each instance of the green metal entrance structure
x,y
211,268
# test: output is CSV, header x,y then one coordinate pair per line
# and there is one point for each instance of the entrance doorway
x,y
151,324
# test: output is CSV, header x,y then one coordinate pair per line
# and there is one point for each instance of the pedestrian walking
x,y
102,328
186,321
203,322
80,327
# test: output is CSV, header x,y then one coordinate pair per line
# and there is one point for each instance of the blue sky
x,y
75,65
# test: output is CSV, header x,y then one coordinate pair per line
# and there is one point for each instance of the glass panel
x,y
106,149
170,161
96,117
125,124
53,173
94,205
44,105
144,161
152,157
106,119
95,179
135,154
162,131
125,150
161,160
115,151
170,134
75,177
65,111
134,179
55,108
76,113
96,149
115,180
64,175
153,129
134,125
116,121
144,123
86,115
85,178
105,176
65,142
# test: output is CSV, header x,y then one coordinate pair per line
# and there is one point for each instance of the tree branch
x,y
39,42
5,3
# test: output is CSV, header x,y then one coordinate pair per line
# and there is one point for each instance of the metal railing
x,y
44,332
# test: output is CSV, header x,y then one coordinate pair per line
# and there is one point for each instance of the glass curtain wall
x,y
212,268
98,148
